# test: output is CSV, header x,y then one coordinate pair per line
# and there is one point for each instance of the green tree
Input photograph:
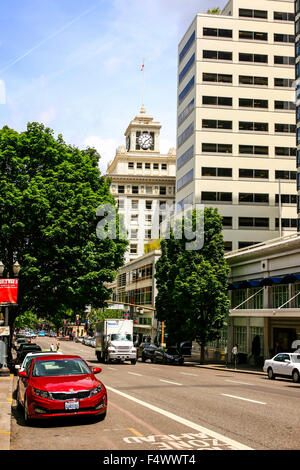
x,y
49,194
97,315
192,284
214,11
27,320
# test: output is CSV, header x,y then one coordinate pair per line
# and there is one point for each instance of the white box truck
x,y
114,341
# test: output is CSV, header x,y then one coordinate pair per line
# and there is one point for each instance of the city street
x,y
162,407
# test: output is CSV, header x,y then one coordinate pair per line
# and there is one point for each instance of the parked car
x,y
169,355
30,355
20,341
146,351
79,339
92,342
87,340
283,365
185,347
41,333
42,391
24,349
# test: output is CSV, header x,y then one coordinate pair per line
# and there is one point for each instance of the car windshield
x,y
59,367
296,358
118,337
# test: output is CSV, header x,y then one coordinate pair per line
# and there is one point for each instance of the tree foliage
x,y
49,193
214,11
192,284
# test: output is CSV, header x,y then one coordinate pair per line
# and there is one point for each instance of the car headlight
x,y
96,390
41,393
111,349
133,350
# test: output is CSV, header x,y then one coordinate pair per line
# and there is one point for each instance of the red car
x,y
53,386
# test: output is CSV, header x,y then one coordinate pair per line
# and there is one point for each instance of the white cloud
x,y
105,147
47,116
166,145
2,92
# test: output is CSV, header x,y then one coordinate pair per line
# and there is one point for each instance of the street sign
x,y
8,291
4,331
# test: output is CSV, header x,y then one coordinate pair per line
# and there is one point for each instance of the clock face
x,y
145,141
128,143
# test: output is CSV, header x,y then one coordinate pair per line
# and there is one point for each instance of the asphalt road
x,y
164,407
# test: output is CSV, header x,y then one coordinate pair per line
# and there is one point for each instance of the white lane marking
x,y
237,382
186,373
168,382
133,373
235,445
111,368
245,399
155,368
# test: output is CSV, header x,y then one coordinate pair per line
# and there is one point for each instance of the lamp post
x,y
4,371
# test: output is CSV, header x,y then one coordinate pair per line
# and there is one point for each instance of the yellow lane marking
x,y
135,432
4,432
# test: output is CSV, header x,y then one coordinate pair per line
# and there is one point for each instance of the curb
x,y
6,389
225,369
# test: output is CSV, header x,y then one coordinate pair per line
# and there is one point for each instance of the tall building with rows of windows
x,y
236,119
143,182
297,53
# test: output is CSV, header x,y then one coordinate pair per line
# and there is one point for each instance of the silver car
x,y
283,365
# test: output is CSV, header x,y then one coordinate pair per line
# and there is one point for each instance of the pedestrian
x,y
52,347
235,351
57,345
226,355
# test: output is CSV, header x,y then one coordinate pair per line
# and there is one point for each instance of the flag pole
x,y
143,82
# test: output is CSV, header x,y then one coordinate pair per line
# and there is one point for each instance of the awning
x,y
267,281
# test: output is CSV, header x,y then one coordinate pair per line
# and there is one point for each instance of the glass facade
x,y
297,73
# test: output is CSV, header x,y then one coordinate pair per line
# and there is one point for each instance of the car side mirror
x,y
17,367
97,370
22,374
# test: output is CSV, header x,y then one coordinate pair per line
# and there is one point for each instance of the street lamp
x,y
4,371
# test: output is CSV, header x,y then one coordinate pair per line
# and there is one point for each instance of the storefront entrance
x,y
283,338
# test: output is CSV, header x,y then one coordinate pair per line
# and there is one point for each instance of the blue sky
x,y
75,66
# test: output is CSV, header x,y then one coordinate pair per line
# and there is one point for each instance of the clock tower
x,y
142,134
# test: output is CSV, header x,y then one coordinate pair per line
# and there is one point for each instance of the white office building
x,y
236,147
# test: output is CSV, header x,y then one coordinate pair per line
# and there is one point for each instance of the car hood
x,y
65,383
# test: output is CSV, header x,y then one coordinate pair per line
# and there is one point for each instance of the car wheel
x,y
296,376
19,405
133,361
143,358
271,375
164,360
26,415
154,360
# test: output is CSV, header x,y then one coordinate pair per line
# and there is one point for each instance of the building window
x,y
284,37
162,205
186,134
283,82
121,203
253,126
253,35
247,13
222,33
148,235
135,189
186,90
163,166
148,189
285,175
216,101
260,58
219,172
217,77
162,190
214,124
134,218
186,112
289,105
185,179
139,165
285,151
187,46
185,157
286,223
217,55
250,173
148,218
121,189
133,249
249,80
134,204
280,295
253,103
283,16
134,233
227,222
253,198
155,166
240,338
227,246
217,148
216,196
186,68
187,201
284,60
253,150
130,165
149,205
258,222
239,296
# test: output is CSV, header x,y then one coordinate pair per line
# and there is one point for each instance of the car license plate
x,y
71,405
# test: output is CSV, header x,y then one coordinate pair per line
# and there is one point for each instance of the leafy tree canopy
x,y
49,193
192,284
214,11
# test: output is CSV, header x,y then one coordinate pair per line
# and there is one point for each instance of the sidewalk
x,y
6,384
240,368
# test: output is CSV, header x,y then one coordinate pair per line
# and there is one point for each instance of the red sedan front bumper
x,y
41,408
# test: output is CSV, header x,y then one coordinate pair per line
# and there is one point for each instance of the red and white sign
x,y
8,291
